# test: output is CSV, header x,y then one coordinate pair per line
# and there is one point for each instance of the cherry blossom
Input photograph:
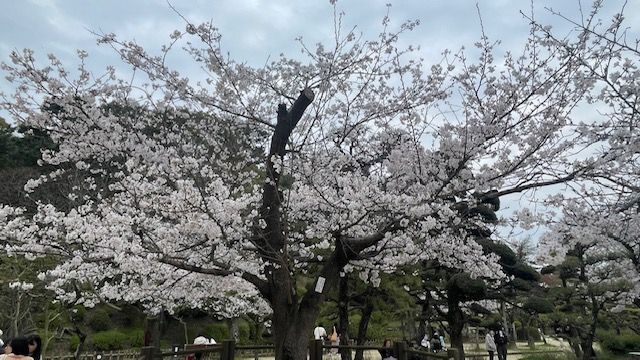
x,y
220,192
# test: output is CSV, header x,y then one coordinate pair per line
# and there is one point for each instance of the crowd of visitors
x,y
434,344
495,343
22,348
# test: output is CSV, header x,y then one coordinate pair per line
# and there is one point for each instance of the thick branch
x,y
270,209
521,188
352,247
260,284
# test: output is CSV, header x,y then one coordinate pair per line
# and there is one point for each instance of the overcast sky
x,y
254,30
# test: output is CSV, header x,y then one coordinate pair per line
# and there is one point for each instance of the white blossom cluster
x,y
607,247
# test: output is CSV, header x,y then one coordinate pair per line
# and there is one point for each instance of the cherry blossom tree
x,y
608,53
597,274
367,160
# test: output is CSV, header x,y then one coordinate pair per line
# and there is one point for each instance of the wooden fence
x,y
129,354
228,350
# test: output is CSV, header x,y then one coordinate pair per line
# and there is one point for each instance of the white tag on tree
x,y
320,284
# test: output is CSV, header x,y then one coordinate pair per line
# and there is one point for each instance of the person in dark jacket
x,y
501,341
436,343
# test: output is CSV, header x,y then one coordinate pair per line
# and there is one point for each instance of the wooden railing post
x,y
401,350
315,350
228,350
452,353
150,353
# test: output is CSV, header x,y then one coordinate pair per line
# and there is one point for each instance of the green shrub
x,y
74,341
244,331
376,332
99,320
493,322
619,344
110,340
136,337
218,331
379,332
538,305
606,355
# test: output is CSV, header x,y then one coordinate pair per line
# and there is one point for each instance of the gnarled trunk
x,y
292,321
455,318
587,339
362,328
294,318
343,315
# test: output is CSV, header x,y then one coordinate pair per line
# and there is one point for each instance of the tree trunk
x,y
185,329
424,317
587,340
256,330
530,336
574,342
234,331
48,333
362,328
530,341
343,315
289,337
293,321
14,320
455,318
80,348
587,349
503,314
152,331
409,331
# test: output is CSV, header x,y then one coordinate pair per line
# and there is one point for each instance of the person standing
x,y
443,345
200,340
424,343
319,333
490,344
501,341
35,346
436,344
387,352
16,349
335,339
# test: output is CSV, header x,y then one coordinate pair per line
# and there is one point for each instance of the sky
x,y
255,30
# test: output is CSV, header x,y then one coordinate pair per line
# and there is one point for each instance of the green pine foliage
x,y
100,320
